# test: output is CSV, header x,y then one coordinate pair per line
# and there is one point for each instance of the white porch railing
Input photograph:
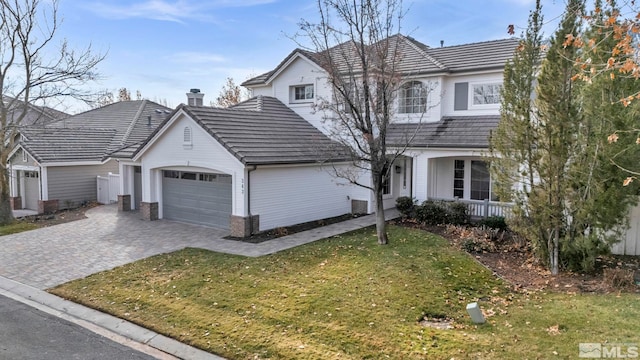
x,y
484,208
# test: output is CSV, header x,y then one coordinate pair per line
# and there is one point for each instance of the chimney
x,y
194,97
441,43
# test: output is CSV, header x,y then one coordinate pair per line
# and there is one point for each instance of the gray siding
x,y
73,185
17,159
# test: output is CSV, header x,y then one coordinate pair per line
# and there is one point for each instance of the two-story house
x,y
268,162
447,130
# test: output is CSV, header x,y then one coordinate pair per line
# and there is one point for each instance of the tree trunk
x,y
6,216
553,253
381,225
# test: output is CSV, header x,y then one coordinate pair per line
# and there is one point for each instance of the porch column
x,y
124,196
150,208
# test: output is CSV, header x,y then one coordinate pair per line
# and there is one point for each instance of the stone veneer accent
x,y
239,226
149,211
359,206
15,202
47,206
124,202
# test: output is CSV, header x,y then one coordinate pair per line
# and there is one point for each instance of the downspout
x,y
249,198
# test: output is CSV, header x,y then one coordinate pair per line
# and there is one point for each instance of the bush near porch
x,y
347,297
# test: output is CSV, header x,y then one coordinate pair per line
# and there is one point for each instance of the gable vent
x,y
187,142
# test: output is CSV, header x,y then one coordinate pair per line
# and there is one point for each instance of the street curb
x,y
121,331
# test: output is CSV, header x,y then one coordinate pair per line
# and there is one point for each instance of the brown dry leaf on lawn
x,y
554,330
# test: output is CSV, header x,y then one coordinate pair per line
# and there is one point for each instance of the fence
x,y
108,188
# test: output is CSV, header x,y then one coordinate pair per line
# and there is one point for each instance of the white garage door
x,y
199,198
31,190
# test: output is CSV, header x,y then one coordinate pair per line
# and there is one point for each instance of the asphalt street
x,y
27,333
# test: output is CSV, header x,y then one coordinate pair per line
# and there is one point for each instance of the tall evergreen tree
x,y
514,158
599,211
559,118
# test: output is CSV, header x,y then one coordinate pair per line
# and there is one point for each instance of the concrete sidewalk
x,y
46,257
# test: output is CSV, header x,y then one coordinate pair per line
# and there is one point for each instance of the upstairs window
x,y
486,94
302,93
413,98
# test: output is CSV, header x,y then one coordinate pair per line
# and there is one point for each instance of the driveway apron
x,y
50,256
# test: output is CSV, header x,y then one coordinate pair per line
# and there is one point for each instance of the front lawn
x,y
347,297
17,226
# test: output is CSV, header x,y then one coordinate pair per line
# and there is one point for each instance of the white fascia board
x,y
289,62
74,163
159,134
317,164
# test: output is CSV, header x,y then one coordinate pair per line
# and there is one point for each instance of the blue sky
x,y
165,47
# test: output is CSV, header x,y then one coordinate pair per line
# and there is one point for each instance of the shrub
x,y
618,278
406,206
457,213
580,254
441,212
494,222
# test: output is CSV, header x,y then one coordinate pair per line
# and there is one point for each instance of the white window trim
x,y
401,98
473,106
292,94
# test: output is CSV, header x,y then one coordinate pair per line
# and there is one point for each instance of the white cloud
x,y
166,10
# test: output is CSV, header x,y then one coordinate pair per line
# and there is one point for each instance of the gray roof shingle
x,y
417,58
66,144
450,132
35,115
133,121
262,130
95,134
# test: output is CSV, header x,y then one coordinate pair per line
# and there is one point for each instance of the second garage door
x,y
199,198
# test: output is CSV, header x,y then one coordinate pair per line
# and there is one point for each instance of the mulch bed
x,y
518,266
59,217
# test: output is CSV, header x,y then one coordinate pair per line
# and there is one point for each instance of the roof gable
x,y
415,57
260,131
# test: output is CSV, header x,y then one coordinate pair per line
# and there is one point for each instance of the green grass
x,y
349,298
16,227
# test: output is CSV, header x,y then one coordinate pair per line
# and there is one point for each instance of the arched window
x,y
188,138
413,98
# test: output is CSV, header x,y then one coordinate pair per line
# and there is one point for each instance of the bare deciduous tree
x,y
34,70
357,44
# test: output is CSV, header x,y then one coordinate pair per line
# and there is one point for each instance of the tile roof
x,y
49,145
133,121
417,58
96,134
263,130
450,132
36,115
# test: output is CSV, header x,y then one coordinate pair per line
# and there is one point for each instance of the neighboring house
x,y
34,115
55,166
249,168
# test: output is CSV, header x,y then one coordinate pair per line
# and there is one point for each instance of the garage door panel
x,y
199,202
